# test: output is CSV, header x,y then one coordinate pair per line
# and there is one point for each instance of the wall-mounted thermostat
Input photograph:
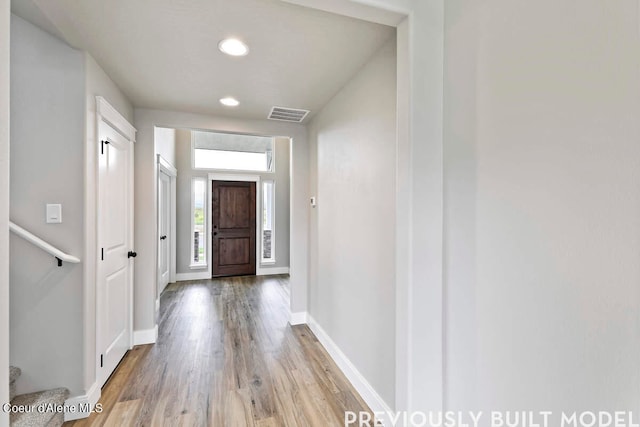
x,y
313,201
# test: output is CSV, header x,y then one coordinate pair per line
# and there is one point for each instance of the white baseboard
x,y
299,318
199,275
368,393
146,336
204,275
267,271
79,407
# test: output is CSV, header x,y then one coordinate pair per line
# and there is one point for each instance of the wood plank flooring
x,y
226,356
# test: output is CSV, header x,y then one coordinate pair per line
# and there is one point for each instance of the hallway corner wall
x,y
352,229
47,164
5,18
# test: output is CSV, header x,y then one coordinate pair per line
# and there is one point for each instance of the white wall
x,y
186,174
460,131
183,201
56,87
352,268
165,140
100,84
282,204
4,206
542,205
47,162
97,83
145,190
425,286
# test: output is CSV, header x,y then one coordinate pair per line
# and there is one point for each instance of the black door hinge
x,y
101,254
102,143
102,360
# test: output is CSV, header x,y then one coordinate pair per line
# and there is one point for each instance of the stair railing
x,y
32,238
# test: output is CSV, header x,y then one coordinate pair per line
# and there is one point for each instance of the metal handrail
x,y
32,238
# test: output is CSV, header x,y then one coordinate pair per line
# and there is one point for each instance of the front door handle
x,y
132,254
163,237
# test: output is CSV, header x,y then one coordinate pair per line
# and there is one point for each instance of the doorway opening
x,y
166,198
232,204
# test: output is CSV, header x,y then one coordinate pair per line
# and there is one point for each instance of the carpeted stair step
x,y
42,408
14,373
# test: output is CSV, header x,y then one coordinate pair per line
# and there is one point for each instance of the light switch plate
x,y
54,213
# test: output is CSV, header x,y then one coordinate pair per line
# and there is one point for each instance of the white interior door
x,y
164,227
115,240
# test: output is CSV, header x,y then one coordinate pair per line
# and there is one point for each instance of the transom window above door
x,y
225,151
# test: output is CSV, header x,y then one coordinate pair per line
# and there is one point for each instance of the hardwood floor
x,y
226,356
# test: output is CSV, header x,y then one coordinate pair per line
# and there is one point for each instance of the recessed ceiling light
x,y
229,102
233,47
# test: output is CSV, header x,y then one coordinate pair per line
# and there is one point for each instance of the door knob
x,y
163,237
132,254
215,233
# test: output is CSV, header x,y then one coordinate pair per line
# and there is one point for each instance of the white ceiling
x,y
163,53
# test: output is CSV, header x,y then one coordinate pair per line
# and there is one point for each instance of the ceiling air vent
x,y
288,114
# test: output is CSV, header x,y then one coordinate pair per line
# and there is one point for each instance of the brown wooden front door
x,y
234,228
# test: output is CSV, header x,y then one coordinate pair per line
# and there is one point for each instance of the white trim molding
x,y
269,271
109,114
82,405
145,336
202,275
359,382
299,318
233,177
166,166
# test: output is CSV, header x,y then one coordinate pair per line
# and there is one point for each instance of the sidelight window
x,y
198,223
268,235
